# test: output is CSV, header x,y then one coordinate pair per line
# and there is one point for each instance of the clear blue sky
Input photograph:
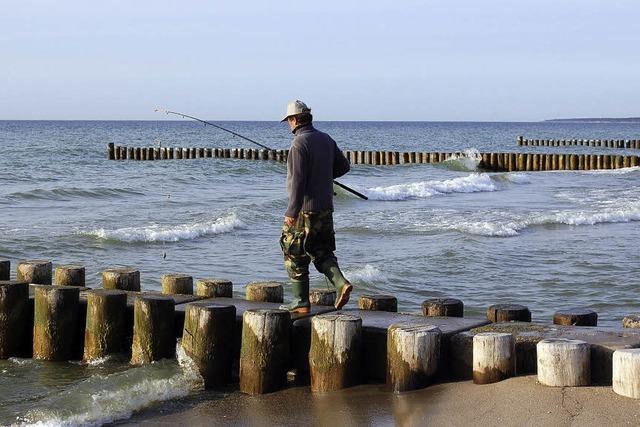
x,y
349,60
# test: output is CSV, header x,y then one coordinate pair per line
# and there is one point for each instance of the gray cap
x,y
294,108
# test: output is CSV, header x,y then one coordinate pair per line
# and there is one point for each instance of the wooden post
x,y
535,166
576,317
264,292
521,165
14,317
563,362
55,322
214,288
173,284
106,324
264,351
322,296
335,355
494,357
513,162
111,151
395,158
618,162
5,269
34,271
508,312
378,303
70,275
626,372
124,278
153,329
520,140
206,338
444,307
413,353
388,157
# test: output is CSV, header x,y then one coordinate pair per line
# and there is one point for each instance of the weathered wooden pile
x,y
255,343
499,162
602,143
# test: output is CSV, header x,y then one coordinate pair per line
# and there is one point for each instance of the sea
x,y
548,240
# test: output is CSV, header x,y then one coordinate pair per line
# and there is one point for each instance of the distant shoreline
x,y
598,120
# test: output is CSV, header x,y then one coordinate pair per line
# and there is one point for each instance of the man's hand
x,y
289,221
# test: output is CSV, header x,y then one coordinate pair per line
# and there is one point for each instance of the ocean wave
x,y
513,178
513,227
473,183
104,399
366,273
72,193
468,161
621,171
174,233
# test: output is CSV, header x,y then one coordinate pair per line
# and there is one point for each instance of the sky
x,y
448,60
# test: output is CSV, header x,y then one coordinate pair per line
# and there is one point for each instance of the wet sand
x,y
518,401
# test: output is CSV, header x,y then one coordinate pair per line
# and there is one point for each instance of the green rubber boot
x,y
330,269
300,302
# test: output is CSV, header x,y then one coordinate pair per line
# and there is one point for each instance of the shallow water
x,y
548,240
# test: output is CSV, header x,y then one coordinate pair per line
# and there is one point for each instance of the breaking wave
x,y
103,399
513,227
467,161
621,171
474,183
366,273
158,233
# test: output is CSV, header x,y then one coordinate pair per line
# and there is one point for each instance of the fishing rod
x,y
162,110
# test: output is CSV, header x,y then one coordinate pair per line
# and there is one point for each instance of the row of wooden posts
x,y
499,162
335,354
604,143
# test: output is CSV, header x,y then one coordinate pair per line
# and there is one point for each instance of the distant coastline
x,y
598,120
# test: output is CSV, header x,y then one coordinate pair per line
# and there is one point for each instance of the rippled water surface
x,y
549,240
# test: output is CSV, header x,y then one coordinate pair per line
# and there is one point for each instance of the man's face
x,y
292,122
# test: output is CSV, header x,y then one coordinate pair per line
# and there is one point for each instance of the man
x,y
307,233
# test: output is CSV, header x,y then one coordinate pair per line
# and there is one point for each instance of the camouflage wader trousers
x,y
311,238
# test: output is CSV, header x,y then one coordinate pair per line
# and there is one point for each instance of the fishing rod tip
x,y
160,110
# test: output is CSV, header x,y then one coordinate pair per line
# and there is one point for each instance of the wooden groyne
x,y
497,162
262,347
633,144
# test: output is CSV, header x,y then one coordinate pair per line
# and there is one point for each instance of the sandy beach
x,y
518,401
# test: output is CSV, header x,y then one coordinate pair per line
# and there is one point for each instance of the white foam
x,y
473,183
366,273
105,399
518,178
621,171
513,227
158,233
468,160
